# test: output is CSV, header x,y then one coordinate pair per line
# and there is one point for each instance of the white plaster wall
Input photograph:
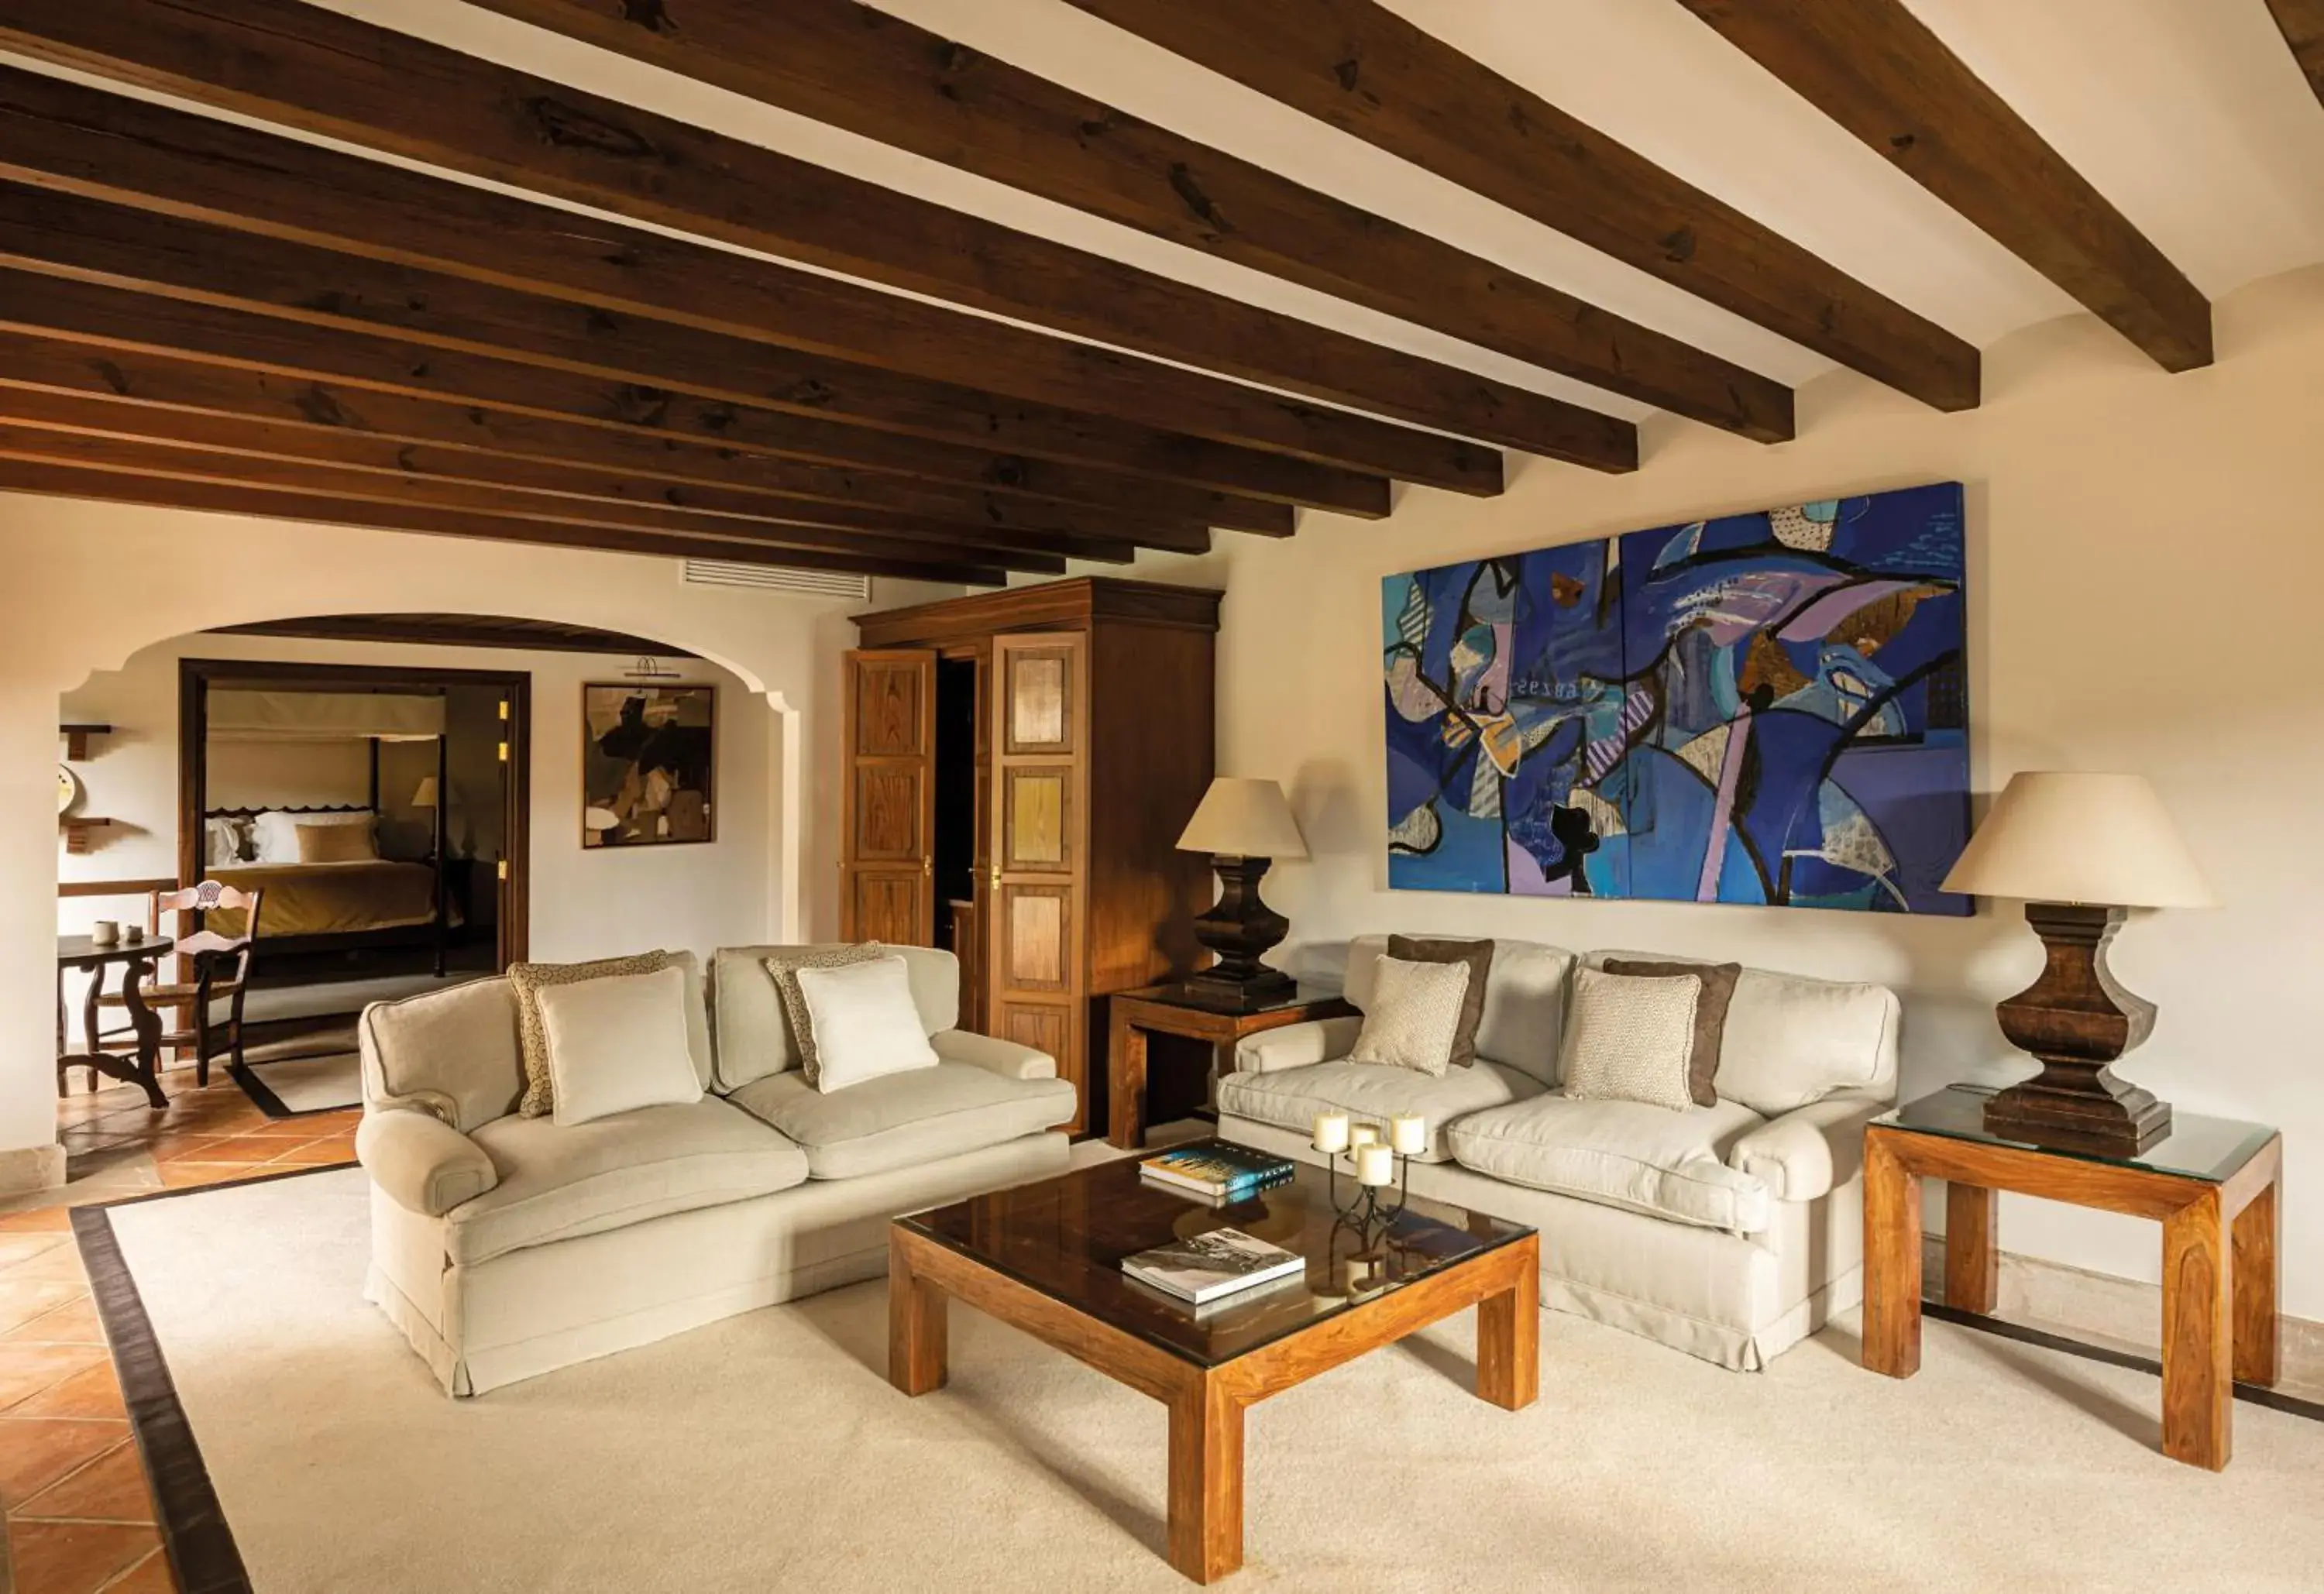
x,y
88,584
2148,555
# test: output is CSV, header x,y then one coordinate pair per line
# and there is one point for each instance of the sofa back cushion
x,y
1792,1039
1525,1000
458,1053
753,1036
452,1053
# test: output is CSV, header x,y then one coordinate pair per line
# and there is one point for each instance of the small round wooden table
x,y
138,958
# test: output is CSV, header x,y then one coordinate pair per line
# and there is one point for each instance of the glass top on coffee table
x,y
1066,1236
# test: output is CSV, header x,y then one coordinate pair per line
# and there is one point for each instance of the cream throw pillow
x,y
1414,1016
785,971
527,980
618,1044
865,1024
1630,1037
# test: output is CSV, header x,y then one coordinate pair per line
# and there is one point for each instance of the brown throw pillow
x,y
335,844
1478,956
1709,1016
784,971
525,980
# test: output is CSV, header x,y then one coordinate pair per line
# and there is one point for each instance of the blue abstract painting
x,y
1767,708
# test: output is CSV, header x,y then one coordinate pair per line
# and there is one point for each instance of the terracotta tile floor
x,y
75,1513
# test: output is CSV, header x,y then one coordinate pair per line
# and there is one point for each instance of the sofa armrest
x,y
1297,1045
1004,1057
424,1164
1809,1151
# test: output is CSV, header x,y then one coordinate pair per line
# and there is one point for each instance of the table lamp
x,y
2078,850
1244,824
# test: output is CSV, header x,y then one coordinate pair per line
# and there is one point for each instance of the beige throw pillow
x,y
526,980
1478,956
335,844
618,1044
1709,1016
1415,1015
785,972
1629,1039
864,1020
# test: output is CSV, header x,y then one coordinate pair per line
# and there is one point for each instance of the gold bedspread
x,y
330,899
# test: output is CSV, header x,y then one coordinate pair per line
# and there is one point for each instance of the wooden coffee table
x,y
1046,1257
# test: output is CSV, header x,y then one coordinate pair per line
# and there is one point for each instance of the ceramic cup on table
x,y
105,932
133,934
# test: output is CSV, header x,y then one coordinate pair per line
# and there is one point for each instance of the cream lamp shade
x,y
2103,840
1243,818
425,797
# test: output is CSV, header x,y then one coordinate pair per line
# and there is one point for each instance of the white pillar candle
x,y
1331,1132
1362,1135
1408,1134
1374,1165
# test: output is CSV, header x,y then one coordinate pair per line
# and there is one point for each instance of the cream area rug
x,y
297,1085
769,1452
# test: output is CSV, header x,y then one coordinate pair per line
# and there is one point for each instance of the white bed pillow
x,y
618,1044
864,1020
274,834
224,839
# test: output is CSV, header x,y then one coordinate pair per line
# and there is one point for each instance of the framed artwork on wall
x,y
647,764
1767,708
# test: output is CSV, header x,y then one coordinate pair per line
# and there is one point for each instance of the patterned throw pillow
x,y
785,971
1478,956
525,980
1630,1039
1709,1016
1415,1015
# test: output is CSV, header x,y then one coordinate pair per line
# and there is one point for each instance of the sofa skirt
x,y
1736,1300
533,1310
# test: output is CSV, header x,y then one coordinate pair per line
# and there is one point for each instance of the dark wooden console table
x,y
137,959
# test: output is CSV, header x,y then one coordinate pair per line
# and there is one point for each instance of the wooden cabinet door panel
x,y
1036,961
887,836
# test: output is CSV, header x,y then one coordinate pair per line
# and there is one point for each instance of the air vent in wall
x,y
825,583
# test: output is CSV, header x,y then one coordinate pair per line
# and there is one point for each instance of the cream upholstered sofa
x,y
1731,1232
505,1246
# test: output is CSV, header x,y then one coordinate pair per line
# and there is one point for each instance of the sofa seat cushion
x,y
557,1181
903,1119
1623,1154
1289,1099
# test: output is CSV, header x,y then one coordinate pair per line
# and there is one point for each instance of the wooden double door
x,y
1025,832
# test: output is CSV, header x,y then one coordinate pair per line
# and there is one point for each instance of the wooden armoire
x,y
1019,766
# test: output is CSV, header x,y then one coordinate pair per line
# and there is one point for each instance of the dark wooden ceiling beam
x,y
94,241
710,512
65,136
52,364
147,456
92,313
298,65
1367,71
860,69
460,630
51,479
2302,23
1880,72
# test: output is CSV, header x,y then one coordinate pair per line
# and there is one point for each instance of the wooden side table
x,y
1187,1010
2213,1185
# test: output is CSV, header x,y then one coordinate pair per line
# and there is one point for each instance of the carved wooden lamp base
x,y
2076,1020
1241,929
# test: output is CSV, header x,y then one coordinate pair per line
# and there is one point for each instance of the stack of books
x,y
1216,1172
1208,1267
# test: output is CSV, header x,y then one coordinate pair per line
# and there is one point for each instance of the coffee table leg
x,y
917,1323
1206,1480
2258,1271
1892,1261
1508,1336
1972,1260
2198,1336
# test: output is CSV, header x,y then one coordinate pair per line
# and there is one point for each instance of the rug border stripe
x,y
263,1096
195,1534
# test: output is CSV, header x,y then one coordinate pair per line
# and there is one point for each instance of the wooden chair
x,y
209,954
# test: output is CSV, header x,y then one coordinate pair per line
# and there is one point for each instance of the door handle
x,y
927,863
